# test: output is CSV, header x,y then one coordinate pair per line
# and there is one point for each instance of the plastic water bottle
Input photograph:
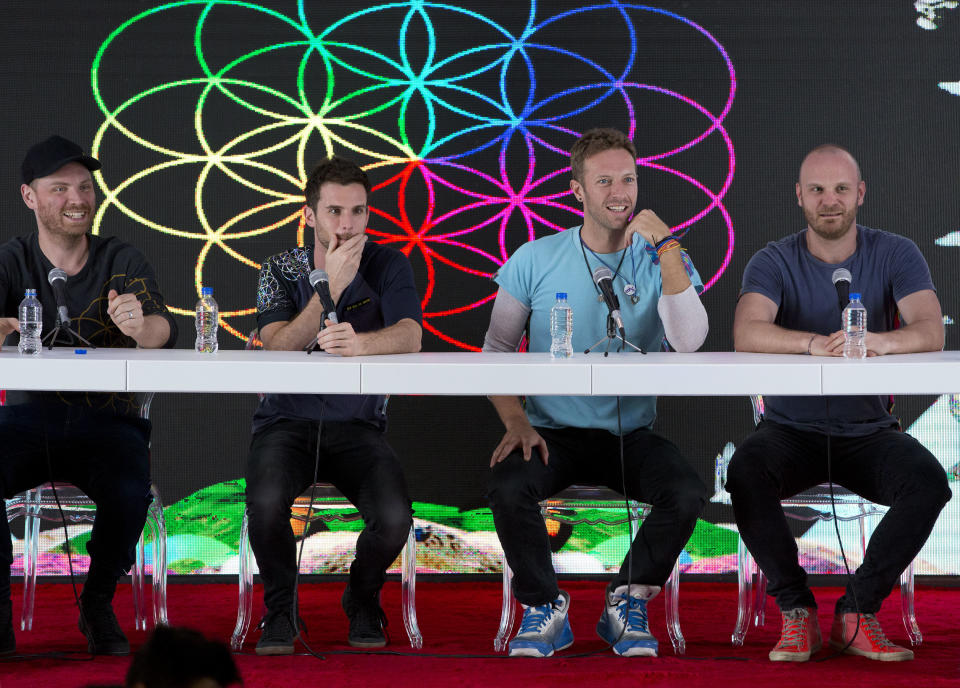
x,y
561,328
207,314
854,329
31,323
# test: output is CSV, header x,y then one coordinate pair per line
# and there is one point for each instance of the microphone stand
x,y
613,334
52,335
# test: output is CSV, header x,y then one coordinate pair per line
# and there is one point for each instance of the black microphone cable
x,y
836,526
89,655
303,540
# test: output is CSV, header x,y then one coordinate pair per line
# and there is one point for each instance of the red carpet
x,y
461,618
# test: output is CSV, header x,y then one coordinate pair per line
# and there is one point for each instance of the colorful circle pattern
x,y
440,123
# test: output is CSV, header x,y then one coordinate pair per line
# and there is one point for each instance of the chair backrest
x,y
586,493
756,401
562,506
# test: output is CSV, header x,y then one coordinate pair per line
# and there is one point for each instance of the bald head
x,y
828,150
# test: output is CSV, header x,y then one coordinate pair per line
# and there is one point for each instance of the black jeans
x,y
105,455
656,474
888,467
357,460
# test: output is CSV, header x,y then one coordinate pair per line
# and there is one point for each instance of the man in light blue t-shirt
x,y
788,304
559,441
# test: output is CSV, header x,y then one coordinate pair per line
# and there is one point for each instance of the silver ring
x,y
129,315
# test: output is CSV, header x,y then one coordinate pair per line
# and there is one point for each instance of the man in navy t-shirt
x,y
788,304
298,438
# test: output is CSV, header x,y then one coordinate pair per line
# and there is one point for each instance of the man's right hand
x,y
343,261
8,325
827,345
525,437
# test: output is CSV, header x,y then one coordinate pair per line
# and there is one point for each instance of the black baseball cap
x,y
49,156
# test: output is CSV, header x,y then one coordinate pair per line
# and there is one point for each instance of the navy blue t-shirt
x,y
381,294
885,268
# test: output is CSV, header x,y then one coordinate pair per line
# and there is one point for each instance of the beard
x,y
52,219
827,228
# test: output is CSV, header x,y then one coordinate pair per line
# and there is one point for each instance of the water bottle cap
x,y
206,291
561,295
30,292
855,296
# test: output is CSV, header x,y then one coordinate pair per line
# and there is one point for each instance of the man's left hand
x,y
125,310
649,226
340,339
877,343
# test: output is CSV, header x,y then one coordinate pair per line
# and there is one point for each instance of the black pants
x,y
357,460
656,474
888,467
105,455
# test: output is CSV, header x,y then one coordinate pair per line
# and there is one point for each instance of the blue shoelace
x,y
633,612
535,618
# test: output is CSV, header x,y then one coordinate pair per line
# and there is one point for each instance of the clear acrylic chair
x,y
816,505
328,504
563,508
40,503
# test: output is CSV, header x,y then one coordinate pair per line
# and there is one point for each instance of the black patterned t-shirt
x,y
111,264
381,294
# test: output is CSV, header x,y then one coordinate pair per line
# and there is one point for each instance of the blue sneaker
x,y
543,630
624,624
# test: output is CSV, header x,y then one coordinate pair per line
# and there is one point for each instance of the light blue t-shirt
x,y
538,270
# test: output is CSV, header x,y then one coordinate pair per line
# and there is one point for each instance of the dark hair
x,y
596,141
178,657
337,170
832,147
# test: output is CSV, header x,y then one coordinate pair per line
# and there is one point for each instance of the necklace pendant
x,y
599,298
635,299
629,289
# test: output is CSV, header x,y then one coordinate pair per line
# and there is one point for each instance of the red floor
x,y
461,618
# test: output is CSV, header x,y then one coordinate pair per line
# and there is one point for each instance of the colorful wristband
x,y
669,245
660,243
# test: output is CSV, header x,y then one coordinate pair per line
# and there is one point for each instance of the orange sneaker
x,y
799,636
869,642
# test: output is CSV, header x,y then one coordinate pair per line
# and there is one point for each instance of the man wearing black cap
x,y
94,440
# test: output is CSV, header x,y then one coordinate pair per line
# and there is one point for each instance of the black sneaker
x,y
99,624
8,641
367,620
278,634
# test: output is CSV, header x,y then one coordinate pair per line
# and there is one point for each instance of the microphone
x,y
604,281
321,284
58,280
841,280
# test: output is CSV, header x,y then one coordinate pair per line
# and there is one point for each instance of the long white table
x,y
290,372
62,369
933,373
462,373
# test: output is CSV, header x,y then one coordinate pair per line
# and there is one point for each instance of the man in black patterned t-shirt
x,y
337,438
94,440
